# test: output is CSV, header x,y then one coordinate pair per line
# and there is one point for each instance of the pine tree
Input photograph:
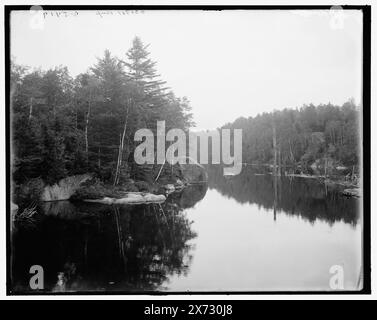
x,y
109,116
142,70
148,94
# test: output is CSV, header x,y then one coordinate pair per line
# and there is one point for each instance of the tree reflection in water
x,y
307,198
94,247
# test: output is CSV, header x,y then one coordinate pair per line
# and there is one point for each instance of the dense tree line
x,y
308,198
311,133
63,126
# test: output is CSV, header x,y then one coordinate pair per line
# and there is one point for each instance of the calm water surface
x,y
249,232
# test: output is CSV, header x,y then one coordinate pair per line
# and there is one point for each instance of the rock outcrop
x,y
131,198
65,188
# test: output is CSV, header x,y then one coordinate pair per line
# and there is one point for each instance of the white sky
x,y
228,63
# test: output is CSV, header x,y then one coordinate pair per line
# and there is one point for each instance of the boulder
x,y
65,188
131,198
354,192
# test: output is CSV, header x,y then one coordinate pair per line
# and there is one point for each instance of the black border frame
x,y
366,10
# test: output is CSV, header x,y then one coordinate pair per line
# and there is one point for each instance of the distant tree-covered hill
x,y
303,135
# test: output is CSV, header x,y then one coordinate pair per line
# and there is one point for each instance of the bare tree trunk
x,y
121,147
290,149
118,160
274,145
275,195
279,166
99,158
275,166
31,108
86,133
158,175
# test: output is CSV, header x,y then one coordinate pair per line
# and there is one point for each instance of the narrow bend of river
x,y
249,232
242,247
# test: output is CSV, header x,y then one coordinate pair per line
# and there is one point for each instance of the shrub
x,y
30,191
93,191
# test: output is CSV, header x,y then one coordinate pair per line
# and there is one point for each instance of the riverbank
x,y
132,192
150,186
347,188
339,177
131,198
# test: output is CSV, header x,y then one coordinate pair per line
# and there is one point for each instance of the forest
x,y
305,136
62,126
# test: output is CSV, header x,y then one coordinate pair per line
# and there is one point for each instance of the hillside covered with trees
x,y
63,126
306,136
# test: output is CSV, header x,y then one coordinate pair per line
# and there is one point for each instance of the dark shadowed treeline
x,y
324,133
307,198
95,247
63,126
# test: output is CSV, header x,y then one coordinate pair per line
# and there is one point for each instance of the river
x,y
248,232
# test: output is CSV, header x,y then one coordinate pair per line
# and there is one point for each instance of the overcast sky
x,y
227,63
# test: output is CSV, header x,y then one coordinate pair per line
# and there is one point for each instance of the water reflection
x,y
307,198
257,233
248,232
94,247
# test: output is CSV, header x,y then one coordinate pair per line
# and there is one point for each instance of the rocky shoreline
x,y
131,198
90,188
